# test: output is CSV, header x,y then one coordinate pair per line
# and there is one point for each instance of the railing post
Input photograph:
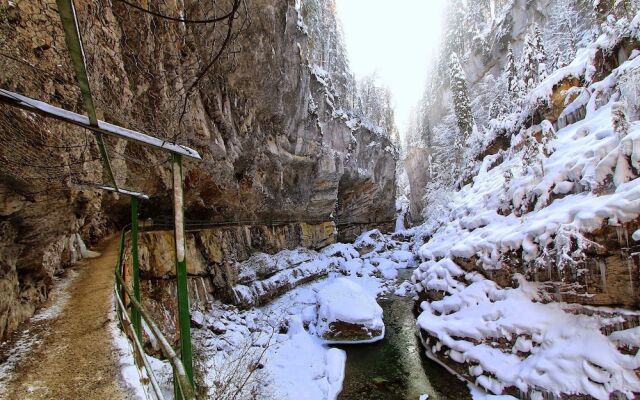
x,y
184,319
120,268
135,314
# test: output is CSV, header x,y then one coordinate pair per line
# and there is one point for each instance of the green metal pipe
x,y
119,264
67,13
184,319
186,386
135,314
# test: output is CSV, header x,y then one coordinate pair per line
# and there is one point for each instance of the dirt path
x,y
76,358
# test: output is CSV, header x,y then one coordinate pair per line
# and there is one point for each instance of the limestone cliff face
x,y
417,166
275,148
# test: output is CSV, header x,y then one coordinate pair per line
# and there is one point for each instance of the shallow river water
x,y
395,368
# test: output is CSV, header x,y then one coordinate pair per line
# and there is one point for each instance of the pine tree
x,y
375,104
533,61
532,156
496,109
461,103
558,61
528,67
539,54
478,13
455,27
511,72
567,24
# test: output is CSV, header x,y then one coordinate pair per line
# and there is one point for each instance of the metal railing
x,y
182,384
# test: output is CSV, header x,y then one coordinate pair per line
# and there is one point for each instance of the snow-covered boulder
x,y
507,341
348,314
371,241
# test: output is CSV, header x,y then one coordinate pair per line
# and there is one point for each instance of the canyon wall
x,y
483,59
276,144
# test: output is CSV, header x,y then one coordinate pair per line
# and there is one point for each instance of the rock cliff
x,y
277,145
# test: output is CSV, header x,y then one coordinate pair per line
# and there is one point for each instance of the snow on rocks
x,y
263,277
348,314
552,199
586,182
277,347
280,339
304,368
506,340
371,241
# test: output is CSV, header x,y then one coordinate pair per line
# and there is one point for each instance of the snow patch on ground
x,y
303,368
15,351
130,373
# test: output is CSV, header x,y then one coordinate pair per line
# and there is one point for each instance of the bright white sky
x,y
395,39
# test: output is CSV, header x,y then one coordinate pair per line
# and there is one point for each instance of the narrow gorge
x,y
320,199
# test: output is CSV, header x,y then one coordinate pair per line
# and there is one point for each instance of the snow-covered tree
x,y
619,120
374,103
548,135
540,54
455,24
532,61
618,162
569,20
477,16
460,94
623,169
326,46
558,61
505,206
532,156
629,85
511,72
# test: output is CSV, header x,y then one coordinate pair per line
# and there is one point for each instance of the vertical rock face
x,y
366,191
275,145
417,166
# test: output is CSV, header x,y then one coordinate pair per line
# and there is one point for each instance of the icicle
x,y
630,269
603,274
626,238
619,233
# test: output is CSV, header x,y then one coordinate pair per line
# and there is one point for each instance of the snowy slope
x,y
583,157
535,207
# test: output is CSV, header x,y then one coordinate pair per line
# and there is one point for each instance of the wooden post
x,y
184,319
135,314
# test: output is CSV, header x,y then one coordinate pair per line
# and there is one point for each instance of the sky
x,y
394,39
